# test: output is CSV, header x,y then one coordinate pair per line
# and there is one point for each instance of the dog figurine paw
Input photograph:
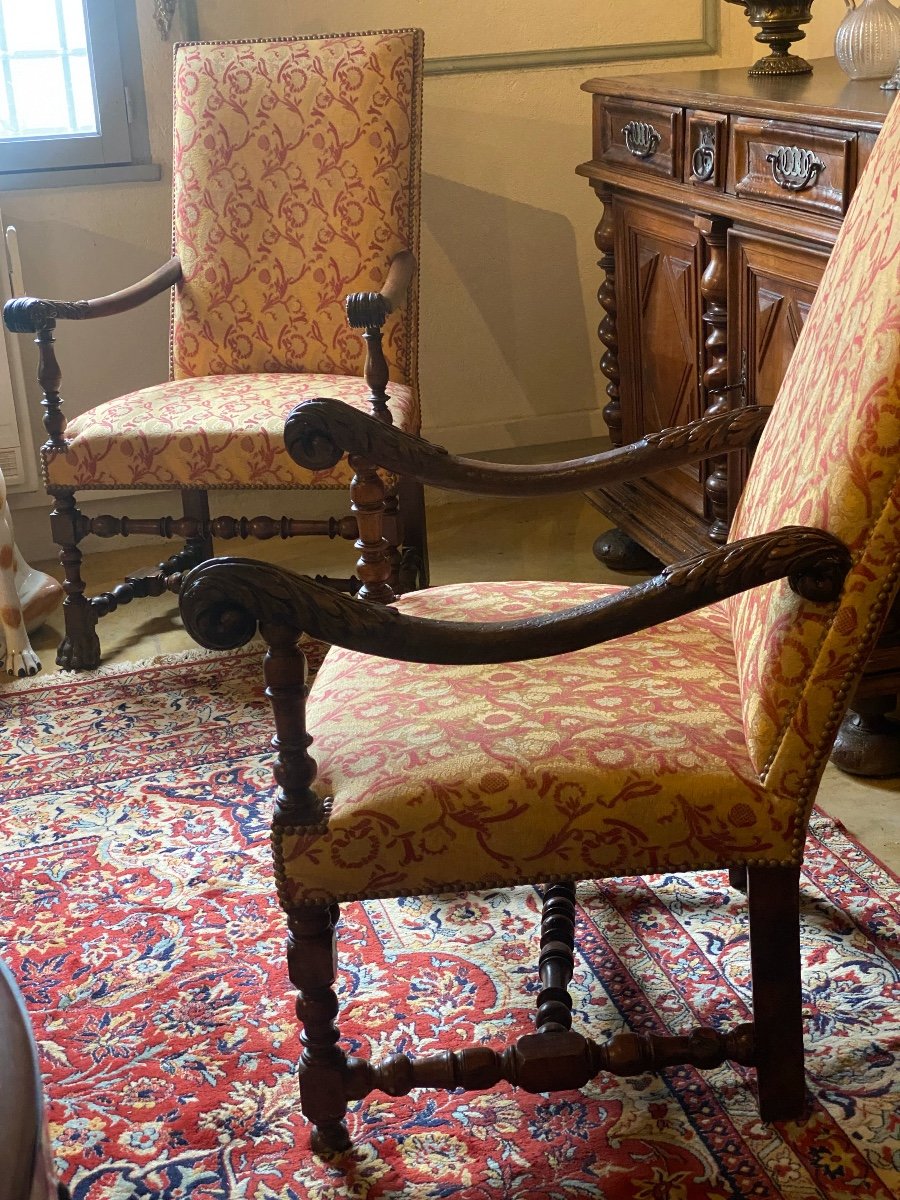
x,y
27,597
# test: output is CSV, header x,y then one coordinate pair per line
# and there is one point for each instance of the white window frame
x,y
121,150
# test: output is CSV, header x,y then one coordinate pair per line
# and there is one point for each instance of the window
x,y
71,95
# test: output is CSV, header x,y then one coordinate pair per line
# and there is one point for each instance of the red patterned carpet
x,y
140,922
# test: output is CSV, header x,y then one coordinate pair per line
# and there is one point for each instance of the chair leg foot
x,y
774,906
333,1138
79,649
79,652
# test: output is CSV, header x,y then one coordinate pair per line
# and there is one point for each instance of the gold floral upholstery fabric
x,y
295,181
829,458
222,431
618,759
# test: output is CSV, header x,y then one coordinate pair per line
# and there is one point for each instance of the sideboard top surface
x,y
856,103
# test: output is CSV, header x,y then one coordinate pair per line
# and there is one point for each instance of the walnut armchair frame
x,y
225,602
80,648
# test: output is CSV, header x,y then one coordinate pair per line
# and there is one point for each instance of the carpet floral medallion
x,y
140,921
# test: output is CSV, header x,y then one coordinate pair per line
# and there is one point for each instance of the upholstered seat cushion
x,y
218,431
620,759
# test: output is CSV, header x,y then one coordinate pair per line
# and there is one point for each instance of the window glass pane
x,y
73,23
30,25
83,96
49,93
40,91
64,69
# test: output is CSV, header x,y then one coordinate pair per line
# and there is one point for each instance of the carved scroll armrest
x,y
370,310
319,432
29,314
225,600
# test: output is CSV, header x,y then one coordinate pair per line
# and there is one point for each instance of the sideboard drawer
x,y
802,166
638,134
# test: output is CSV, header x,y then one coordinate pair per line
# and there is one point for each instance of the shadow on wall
x,y
110,356
517,300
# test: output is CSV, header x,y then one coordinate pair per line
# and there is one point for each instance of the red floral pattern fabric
x,y
223,431
829,458
619,759
295,178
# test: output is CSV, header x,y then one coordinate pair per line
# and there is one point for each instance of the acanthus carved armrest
x,y
30,314
319,432
223,602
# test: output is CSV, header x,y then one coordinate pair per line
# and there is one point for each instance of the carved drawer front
x,y
636,134
705,149
799,165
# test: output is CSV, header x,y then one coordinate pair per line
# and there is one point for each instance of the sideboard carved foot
x,y
617,551
868,741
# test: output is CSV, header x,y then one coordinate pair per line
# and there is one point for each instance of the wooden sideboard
x,y
722,198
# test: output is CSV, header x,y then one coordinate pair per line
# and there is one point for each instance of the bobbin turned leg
x,y
312,964
557,961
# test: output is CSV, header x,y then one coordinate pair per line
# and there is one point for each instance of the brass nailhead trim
x,y
529,880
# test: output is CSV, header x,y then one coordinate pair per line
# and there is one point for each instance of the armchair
x,y
490,735
295,178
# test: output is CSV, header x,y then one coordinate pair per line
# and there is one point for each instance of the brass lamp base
x,y
779,26
781,63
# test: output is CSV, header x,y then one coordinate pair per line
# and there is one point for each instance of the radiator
x,y
17,459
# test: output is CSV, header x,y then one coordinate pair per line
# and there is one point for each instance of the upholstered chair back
x,y
828,458
294,184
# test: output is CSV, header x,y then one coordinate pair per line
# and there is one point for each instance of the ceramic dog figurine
x,y
27,597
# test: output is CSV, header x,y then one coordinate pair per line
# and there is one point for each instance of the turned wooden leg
x,y
367,505
79,649
312,965
557,962
774,902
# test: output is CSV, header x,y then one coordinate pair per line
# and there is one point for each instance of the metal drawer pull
x,y
641,139
794,169
703,160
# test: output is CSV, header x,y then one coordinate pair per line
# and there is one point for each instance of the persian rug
x,y
140,921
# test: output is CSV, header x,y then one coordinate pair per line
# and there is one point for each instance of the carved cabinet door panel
x,y
771,284
658,269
